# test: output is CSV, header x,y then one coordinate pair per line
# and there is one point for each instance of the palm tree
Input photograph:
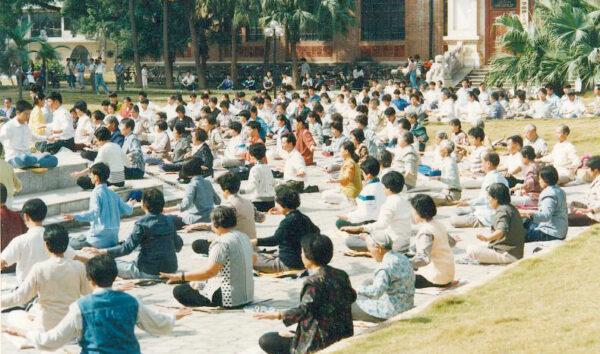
x,y
19,51
47,53
297,16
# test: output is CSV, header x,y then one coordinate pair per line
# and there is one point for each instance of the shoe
x,y
38,170
311,189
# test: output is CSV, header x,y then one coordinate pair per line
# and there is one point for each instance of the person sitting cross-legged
x,y
57,282
287,236
550,221
505,243
324,315
585,214
393,220
103,321
156,237
392,289
227,278
132,148
260,186
104,214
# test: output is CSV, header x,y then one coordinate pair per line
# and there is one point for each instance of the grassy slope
x,y
544,304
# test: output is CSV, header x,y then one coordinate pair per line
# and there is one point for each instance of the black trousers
x,y
133,173
264,206
421,282
188,296
86,183
53,148
512,181
273,343
89,154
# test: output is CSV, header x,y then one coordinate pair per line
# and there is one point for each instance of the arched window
x,y
382,20
80,53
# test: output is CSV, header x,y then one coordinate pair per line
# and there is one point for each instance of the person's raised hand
x,y
170,277
69,217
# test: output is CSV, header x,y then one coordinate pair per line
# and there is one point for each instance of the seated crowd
x,y
379,162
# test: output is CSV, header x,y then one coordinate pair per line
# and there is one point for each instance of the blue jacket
x,y
552,215
108,319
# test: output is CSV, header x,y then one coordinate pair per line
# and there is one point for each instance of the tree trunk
x,y
134,43
203,48
234,72
166,55
193,25
267,48
294,63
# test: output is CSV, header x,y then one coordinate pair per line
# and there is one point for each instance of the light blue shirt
x,y
104,216
392,290
483,211
199,200
552,213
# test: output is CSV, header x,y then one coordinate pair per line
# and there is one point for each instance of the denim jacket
x,y
552,214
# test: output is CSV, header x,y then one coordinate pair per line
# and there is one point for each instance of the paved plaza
x,y
236,331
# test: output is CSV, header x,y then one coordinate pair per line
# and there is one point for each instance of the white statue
x,y
436,72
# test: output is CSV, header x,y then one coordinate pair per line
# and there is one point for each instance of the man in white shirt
x,y
543,107
534,140
194,107
394,219
99,77
28,249
449,177
512,165
17,138
61,131
571,107
235,148
188,81
170,108
95,318
294,169
563,156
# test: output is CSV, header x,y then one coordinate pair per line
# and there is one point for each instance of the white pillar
x,y
463,27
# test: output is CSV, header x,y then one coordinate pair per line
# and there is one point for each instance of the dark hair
x,y
370,166
180,109
229,182
528,152
385,158
224,217
102,134
456,123
102,270
390,111
237,126
349,146
362,119
500,193
516,139
339,126
408,137
404,123
394,181
290,138
492,158
36,209
287,197
549,175
358,134
105,103
98,115
424,206
594,162
55,96
23,106
3,193
112,120
564,129
477,133
257,151
101,170
56,238
154,200
128,123
113,95
179,127
253,125
317,248
162,125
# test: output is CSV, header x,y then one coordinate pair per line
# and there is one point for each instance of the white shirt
x,y
71,326
368,202
571,109
83,127
113,156
394,220
169,109
294,164
194,109
564,158
61,120
261,185
474,111
234,148
100,69
512,162
16,138
483,212
28,249
542,109
539,145
450,176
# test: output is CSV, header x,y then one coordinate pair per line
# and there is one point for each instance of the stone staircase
x,y
477,76
62,195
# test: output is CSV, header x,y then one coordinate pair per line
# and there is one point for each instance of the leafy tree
x,y
18,52
47,53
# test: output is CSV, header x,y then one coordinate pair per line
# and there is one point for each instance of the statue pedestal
x,y
463,30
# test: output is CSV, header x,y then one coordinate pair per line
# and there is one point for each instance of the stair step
x,y
74,199
56,178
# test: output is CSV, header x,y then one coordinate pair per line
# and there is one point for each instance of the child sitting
x,y
261,185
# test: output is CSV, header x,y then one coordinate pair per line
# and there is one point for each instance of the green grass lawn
x,y
546,304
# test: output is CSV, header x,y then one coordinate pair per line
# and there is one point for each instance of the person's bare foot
x,y
38,170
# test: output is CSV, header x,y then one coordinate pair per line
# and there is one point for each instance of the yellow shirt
x,y
350,178
9,179
36,121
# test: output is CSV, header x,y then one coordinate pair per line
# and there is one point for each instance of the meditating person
x,y
392,219
294,168
109,154
200,155
180,151
161,146
305,143
235,147
450,177
156,238
12,184
11,225
433,258
474,176
550,221
61,132
324,314
287,236
476,212
104,214
199,198
534,140
588,213
103,321
260,187
132,148
418,131
563,156
391,290
28,249
406,160
505,244
56,282
527,193
369,200
511,165
226,280
349,179
17,139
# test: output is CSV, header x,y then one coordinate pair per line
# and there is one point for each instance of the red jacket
x,y
304,141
